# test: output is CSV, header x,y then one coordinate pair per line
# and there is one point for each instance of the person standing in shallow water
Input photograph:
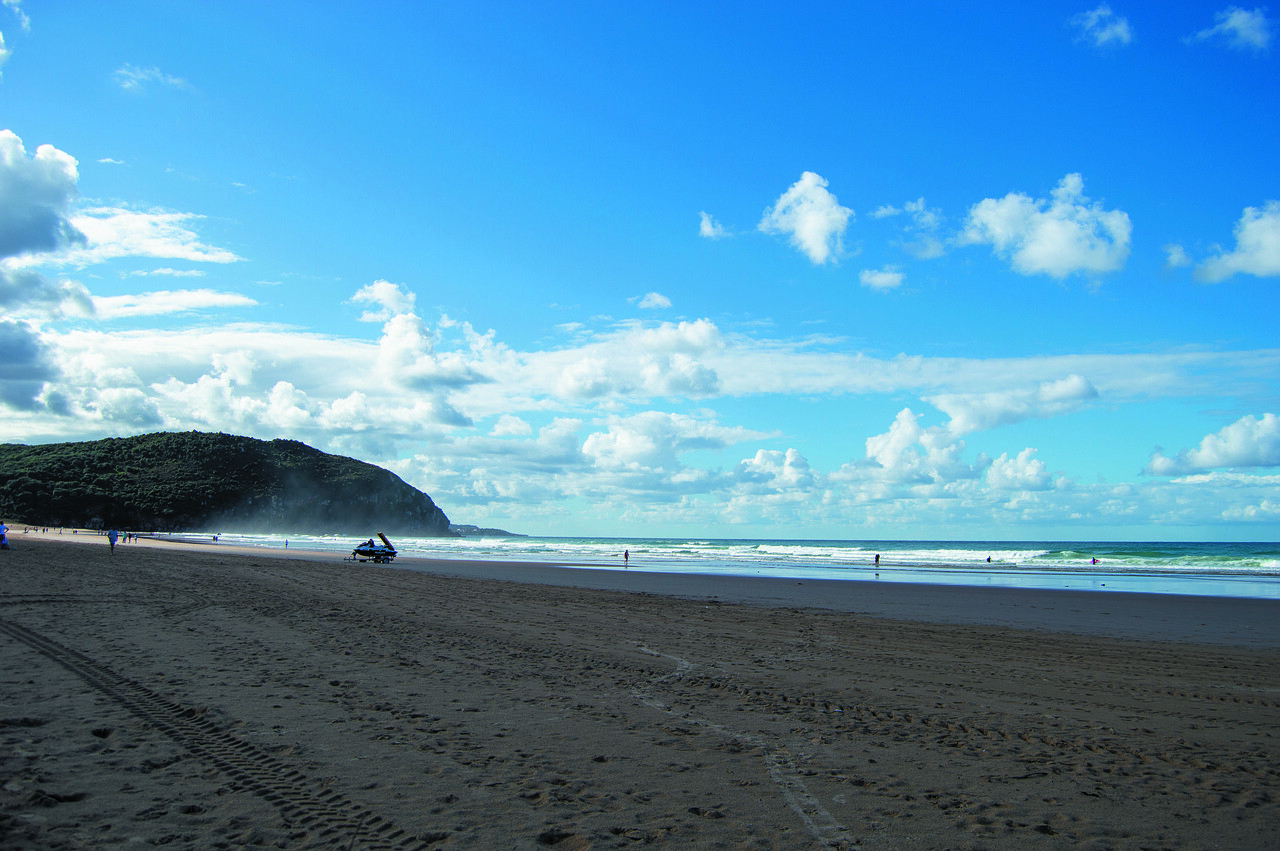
x,y
626,559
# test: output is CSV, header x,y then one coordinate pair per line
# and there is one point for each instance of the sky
x,y
871,271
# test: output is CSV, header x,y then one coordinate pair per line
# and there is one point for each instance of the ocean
x,y
1205,569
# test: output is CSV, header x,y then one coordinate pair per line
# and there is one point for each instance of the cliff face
x,y
208,482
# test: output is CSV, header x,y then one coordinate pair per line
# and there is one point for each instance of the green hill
x,y
195,481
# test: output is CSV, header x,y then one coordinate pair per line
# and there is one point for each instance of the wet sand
x,y
195,696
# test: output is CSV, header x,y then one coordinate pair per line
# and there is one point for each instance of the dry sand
x,y
207,697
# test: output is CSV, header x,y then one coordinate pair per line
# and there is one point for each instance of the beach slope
x,y
196,697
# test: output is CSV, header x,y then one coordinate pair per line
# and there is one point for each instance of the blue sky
x,y
929,270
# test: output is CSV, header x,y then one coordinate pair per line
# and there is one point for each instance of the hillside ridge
x,y
201,481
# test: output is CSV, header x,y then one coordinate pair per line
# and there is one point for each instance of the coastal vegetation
x,y
197,481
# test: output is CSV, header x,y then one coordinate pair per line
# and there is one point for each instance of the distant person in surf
x,y
626,559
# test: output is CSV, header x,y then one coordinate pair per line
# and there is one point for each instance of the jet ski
x,y
377,553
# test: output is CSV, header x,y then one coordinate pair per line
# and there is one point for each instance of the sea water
x,y
1207,569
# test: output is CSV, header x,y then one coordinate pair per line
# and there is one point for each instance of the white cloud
x,y
1265,510
655,301
166,272
1257,249
637,361
1241,29
1020,473
131,78
35,198
1248,442
709,228
16,7
908,453
1176,257
1059,237
772,470
5,53
407,358
677,374
971,412
811,218
1103,26
389,299
885,211
511,426
26,363
881,279
654,440
921,238
164,302
115,232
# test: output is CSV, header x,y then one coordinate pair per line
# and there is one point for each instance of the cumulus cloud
x,y
654,440
1257,250
709,228
655,301
1103,27
1062,236
586,378
23,292
678,374
773,470
1176,257
386,298
909,453
972,412
35,198
25,364
509,425
407,356
646,360
881,279
1241,29
811,217
1019,473
1248,442
132,78
163,302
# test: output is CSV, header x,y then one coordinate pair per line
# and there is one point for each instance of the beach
x,y
206,696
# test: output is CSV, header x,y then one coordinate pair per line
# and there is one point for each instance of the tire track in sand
x,y
331,816
782,769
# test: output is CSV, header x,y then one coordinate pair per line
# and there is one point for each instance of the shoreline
x,y
1233,621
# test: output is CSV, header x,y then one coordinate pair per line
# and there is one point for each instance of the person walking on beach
x,y
626,559
112,537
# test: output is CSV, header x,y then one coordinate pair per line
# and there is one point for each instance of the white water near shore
x,y
1250,570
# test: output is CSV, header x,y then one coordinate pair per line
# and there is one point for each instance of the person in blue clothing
x,y
112,537
4,540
